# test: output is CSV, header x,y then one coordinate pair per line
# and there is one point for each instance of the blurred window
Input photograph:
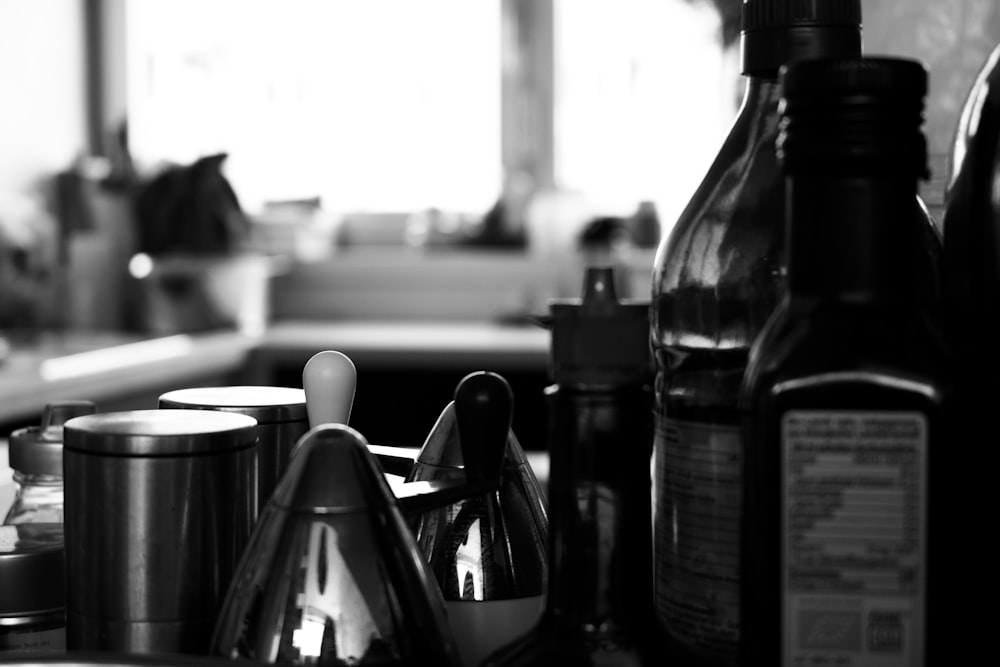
x,y
396,105
391,105
643,100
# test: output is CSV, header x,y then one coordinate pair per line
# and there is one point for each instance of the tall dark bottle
x,y
848,389
971,281
716,280
971,256
598,610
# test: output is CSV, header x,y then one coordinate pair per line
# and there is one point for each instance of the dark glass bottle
x,y
598,608
972,218
716,280
971,282
848,389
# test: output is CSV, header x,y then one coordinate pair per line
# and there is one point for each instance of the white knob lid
x,y
329,379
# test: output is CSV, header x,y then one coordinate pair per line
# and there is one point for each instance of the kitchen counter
x,y
407,344
113,367
408,369
127,371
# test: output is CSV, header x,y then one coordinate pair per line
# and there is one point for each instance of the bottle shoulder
x,y
734,219
849,345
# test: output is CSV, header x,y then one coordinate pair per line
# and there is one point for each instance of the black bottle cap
x,y
775,32
859,113
599,340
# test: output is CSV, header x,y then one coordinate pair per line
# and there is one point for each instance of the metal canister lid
x,y
268,405
32,569
37,450
160,432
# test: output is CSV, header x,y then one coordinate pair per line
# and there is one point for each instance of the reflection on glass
x,y
332,574
332,601
468,563
333,604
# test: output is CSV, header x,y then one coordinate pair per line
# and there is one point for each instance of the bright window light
x,y
643,101
394,106
374,105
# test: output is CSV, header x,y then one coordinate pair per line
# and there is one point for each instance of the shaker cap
x,y
37,450
268,405
774,32
599,339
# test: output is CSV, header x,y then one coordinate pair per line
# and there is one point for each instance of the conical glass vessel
x,y
488,553
332,574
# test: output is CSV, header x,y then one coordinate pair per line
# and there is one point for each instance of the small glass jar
x,y
36,458
32,581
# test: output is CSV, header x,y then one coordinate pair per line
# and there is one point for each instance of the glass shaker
x,y
36,458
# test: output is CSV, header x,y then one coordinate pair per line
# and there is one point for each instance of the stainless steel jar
x,y
32,588
281,420
159,507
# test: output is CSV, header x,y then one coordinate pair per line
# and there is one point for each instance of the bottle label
x,y
696,487
45,638
854,536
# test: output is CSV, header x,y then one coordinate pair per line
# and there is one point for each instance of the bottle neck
x,y
599,511
759,106
852,237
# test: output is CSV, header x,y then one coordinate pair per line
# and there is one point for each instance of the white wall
x,y
42,94
952,38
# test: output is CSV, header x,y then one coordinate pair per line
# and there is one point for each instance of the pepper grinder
x,y
489,552
333,574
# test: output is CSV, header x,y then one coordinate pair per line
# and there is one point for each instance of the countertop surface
x,y
421,343
94,366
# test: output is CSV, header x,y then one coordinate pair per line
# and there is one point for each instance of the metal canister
x,y
160,505
32,588
281,420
